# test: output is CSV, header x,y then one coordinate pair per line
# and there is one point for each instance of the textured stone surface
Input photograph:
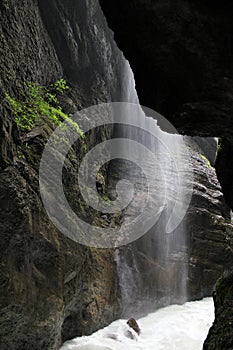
x,y
51,289
209,230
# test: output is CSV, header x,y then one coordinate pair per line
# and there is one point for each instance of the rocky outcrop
x,y
51,288
133,324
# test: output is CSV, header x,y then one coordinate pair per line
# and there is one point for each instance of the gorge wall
x,y
51,288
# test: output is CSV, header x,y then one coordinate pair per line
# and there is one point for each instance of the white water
x,y
176,327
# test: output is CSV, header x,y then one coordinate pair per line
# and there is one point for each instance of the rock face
x,y
209,229
224,169
51,288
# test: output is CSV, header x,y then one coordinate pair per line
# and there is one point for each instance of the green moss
x,y
106,199
39,101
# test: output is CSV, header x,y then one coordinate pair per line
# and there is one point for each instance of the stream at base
x,y
176,327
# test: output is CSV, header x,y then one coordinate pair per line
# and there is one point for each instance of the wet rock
x,y
134,325
220,334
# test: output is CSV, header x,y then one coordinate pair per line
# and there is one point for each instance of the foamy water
x,y
176,327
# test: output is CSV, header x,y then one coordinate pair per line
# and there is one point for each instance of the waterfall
x,y
153,270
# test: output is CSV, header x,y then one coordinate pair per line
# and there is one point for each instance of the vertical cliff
x,y
51,288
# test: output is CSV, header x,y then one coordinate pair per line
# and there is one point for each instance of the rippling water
x,y
176,327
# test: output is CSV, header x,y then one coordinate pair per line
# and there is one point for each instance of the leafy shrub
x,y
40,101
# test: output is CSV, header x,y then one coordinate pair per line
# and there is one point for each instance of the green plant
x,y
106,199
28,147
20,155
60,86
38,101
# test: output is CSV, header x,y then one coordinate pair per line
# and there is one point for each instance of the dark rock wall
x,y
224,168
209,228
181,54
51,288
220,335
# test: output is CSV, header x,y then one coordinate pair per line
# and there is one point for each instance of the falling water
x,y
153,270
